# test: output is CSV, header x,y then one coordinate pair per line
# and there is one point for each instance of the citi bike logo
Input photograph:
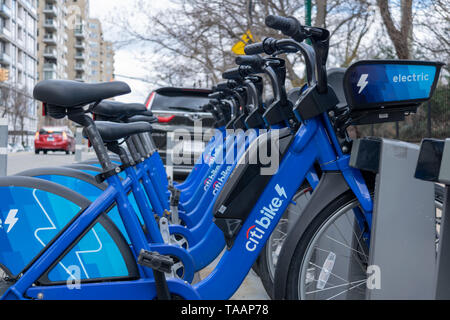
x,y
256,232
217,186
209,159
208,181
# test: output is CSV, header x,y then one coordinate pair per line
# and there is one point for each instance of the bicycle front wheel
x,y
331,258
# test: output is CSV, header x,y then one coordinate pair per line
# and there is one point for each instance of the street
x,y
21,161
251,289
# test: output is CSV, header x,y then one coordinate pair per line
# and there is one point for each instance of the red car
x,y
54,139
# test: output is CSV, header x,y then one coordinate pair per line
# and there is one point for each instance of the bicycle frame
x,y
312,143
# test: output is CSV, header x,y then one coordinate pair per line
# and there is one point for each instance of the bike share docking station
x,y
434,166
403,234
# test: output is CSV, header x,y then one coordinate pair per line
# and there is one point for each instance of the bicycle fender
x,y
331,185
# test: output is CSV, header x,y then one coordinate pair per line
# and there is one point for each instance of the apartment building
x,y
101,54
70,46
52,47
78,64
94,42
18,58
52,40
107,61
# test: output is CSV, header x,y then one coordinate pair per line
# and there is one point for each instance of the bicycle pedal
x,y
155,261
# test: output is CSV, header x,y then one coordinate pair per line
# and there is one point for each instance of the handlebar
x,y
216,95
291,27
271,46
288,26
254,48
238,73
231,74
255,61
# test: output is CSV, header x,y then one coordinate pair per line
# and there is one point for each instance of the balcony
x,y
5,59
80,78
5,11
80,56
50,24
20,18
49,75
49,67
79,45
5,34
79,66
80,32
50,53
50,11
49,39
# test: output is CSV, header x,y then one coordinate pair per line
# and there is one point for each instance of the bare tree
x,y
21,101
433,19
349,23
14,102
5,99
401,36
194,37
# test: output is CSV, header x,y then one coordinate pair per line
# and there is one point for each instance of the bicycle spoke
x,y
347,246
333,274
336,286
346,291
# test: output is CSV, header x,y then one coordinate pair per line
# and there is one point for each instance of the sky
x,y
125,58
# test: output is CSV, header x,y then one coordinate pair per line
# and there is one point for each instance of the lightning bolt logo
x,y
53,227
11,219
280,190
362,83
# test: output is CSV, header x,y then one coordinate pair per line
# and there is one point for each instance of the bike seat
x,y
112,131
71,94
140,118
336,81
118,110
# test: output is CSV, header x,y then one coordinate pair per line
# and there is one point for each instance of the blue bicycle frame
x,y
312,143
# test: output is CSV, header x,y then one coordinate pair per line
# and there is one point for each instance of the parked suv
x,y
54,139
180,108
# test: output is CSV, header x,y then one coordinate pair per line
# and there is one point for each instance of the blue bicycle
x,y
62,249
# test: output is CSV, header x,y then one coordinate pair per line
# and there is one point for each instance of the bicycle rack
x,y
443,263
403,231
434,166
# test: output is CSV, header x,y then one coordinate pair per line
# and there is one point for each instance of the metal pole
x,y
3,147
308,10
250,12
429,120
79,145
397,130
308,19
169,155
